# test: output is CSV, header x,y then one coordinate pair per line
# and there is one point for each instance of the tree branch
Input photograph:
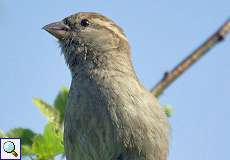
x,y
169,77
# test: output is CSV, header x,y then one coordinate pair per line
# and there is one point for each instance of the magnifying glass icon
x,y
9,147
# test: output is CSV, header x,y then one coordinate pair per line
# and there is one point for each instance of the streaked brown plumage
x,y
109,114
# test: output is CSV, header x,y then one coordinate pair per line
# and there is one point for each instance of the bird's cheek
x,y
108,42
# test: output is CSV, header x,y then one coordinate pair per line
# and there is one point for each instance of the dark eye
x,y
84,22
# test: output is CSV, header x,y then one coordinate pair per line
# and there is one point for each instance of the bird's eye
x,y
84,22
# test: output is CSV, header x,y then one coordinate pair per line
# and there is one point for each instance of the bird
x,y
109,114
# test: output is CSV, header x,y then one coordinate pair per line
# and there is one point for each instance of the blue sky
x,y
161,33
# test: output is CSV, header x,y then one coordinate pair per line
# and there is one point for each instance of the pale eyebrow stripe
x,y
111,27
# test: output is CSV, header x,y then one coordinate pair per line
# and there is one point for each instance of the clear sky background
x,y
161,33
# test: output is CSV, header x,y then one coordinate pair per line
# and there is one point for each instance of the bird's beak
x,y
58,30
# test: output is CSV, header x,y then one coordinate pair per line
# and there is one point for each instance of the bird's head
x,y
87,39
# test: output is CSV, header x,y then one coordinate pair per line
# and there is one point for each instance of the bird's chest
x,y
88,125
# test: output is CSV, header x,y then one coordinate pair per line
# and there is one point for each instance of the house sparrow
x,y
109,114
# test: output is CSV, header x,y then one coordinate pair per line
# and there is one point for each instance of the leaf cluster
x,y
49,144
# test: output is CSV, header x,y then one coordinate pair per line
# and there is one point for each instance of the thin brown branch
x,y
169,77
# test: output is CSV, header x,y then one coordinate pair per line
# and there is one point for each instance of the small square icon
x,y
10,148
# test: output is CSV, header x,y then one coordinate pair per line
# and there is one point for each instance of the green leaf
x,y
168,110
27,150
50,112
60,102
26,136
2,134
50,143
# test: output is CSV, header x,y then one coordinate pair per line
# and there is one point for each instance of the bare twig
x,y
169,77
